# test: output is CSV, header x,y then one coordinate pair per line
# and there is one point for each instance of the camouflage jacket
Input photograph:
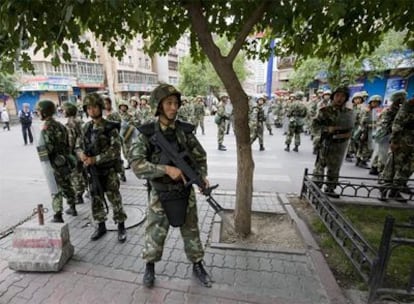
x,y
74,128
368,119
145,157
114,116
403,126
199,110
145,115
101,140
384,125
55,136
257,116
331,116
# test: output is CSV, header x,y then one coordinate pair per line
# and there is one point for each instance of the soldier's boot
x,y
71,211
396,195
383,194
57,218
270,132
99,231
122,177
79,199
201,274
331,192
122,236
262,148
373,171
149,275
315,151
221,147
296,148
287,148
348,157
363,164
358,162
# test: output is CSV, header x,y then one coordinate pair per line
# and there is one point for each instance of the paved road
x,y
22,183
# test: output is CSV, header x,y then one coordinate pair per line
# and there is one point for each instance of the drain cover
x,y
136,215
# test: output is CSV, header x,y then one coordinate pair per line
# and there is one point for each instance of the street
x,y
23,186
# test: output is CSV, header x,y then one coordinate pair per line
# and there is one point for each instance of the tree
x,y
352,67
325,29
199,77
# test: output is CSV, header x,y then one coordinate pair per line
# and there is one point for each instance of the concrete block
x,y
44,248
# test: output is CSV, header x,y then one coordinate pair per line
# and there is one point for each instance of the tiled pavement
x,y
108,272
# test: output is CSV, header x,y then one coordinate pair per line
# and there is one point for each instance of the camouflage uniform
x,y
103,142
55,137
220,119
145,115
296,114
199,113
322,103
185,112
277,109
354,142
256,121
334,142
398,168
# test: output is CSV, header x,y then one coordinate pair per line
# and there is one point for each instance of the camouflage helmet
x,y
356,95
327,92
299,94
364,94
144,97
93,99
159,93
46,108
375,98
70,109
398,96
341,89
123,103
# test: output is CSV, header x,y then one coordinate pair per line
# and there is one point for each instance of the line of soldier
x,y
95,148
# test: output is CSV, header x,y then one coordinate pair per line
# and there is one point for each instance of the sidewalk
x,y
106,271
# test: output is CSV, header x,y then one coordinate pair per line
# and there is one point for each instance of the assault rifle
x,y
181,161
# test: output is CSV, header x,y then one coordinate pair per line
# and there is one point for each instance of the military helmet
x,y
145,97
70,109
319,91
364,94
398,96
159,93
341,89
375,98
93,99
123,103
299,94
327,92
46,107
356,95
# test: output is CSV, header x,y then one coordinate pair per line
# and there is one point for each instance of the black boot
x,y
396,195
57,218
71,211
79,199
122,177
348,157
287,148
331,192
296,148
121,232
262,148
358,162
270,132
363,164
201,274
99,231
221,147
149,275
373,171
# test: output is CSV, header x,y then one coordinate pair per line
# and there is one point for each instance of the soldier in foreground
x,y
99,148
335,123
55,137
171,201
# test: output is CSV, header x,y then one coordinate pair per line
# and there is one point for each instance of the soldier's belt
x,y
167,187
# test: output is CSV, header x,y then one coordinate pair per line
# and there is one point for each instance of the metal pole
x,y
40,216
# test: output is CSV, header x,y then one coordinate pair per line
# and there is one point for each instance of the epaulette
x,y
147,129
185,126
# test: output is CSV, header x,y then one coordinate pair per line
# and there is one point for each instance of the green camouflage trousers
x,y
331,160
257,132
199,121
110,184
65,189
294,130
221,128
157,229
398,168
78,180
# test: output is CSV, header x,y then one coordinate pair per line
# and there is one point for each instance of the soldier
x,y
134,109
199,113
220,120
145,115
365,133
268,115
312,110
74,128
112,115
296,114
168,183
228,108
99,148
257,119
55,137
277,109
357,101
398,168
335,123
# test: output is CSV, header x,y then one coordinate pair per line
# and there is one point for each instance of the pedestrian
x,y
296,113
25,118
74,128
398,168
334,122
56,141
5,119
168,183
99,148
257,120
